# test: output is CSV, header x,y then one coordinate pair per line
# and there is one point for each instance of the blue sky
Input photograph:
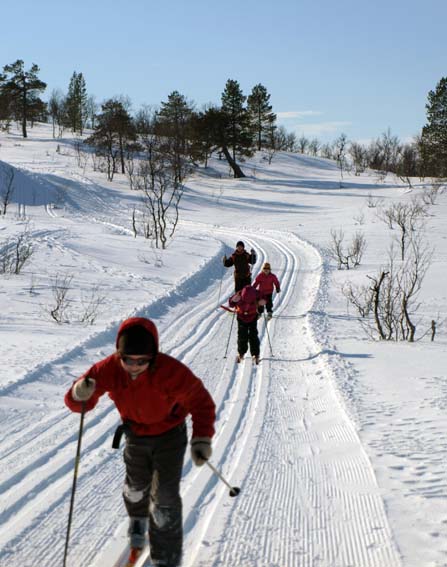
x,y
358,67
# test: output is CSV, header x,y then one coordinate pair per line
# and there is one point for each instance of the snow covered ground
x,y
337,442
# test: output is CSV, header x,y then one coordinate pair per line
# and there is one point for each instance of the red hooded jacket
x,y
159,398
245,302
265,283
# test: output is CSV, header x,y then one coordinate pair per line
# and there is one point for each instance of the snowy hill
x,y
337,441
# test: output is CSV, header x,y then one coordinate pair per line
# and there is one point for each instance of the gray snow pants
x,y
152,488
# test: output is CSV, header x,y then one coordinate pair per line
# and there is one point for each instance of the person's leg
x,y
242,337
136,491
165,517
253,338
269,304
240,282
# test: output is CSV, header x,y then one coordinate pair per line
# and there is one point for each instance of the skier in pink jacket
x,y
266,282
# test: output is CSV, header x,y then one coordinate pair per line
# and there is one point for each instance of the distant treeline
x,y
236,128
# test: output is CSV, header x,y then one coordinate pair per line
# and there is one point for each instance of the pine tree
x,y
77,103
262,118
203,134
114,134
20,89
174,117
5,114
83,102
173,125
434,133
238,135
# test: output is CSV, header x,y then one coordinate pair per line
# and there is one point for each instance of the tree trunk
x,y
123,168
410,324
376,303
24,113
234,166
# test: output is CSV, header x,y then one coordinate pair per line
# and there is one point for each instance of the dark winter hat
x,y
240,243
136,340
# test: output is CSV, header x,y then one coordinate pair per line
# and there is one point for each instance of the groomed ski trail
x,y
314,485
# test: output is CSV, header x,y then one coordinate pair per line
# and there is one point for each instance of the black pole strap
x,y
122,429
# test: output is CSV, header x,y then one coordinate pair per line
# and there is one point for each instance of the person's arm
x,y
234,299
253,257
188,390
228,262
85,392
276,282
202,409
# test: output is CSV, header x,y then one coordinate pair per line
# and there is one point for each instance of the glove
x,y
201,450
252,251
278,290
83,389
224,258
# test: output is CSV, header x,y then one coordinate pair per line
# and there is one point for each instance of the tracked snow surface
x,y
337,441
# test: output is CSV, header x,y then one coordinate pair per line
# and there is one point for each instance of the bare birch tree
x,y
160,179
388,306
7,175
347,257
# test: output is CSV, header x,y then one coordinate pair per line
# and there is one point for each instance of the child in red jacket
x,y
246,304
154,393
266,281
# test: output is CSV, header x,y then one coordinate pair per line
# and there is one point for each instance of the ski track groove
x,y
46,438
38,483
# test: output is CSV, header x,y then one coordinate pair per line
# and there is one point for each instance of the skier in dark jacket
x,y
242,262
153,393
246,304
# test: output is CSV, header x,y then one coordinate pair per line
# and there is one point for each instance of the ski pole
x,y
234,490
220,285
229,335
268,334
75,478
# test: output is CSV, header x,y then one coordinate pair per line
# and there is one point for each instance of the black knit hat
x,y
240,243
136,340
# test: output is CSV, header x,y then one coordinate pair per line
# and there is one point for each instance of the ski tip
x,y
134,556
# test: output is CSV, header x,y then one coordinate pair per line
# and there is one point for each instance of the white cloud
x,y
295,121
318,129
287,115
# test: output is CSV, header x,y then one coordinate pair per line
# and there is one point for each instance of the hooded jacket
x,y
265,283
245,304
158,399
